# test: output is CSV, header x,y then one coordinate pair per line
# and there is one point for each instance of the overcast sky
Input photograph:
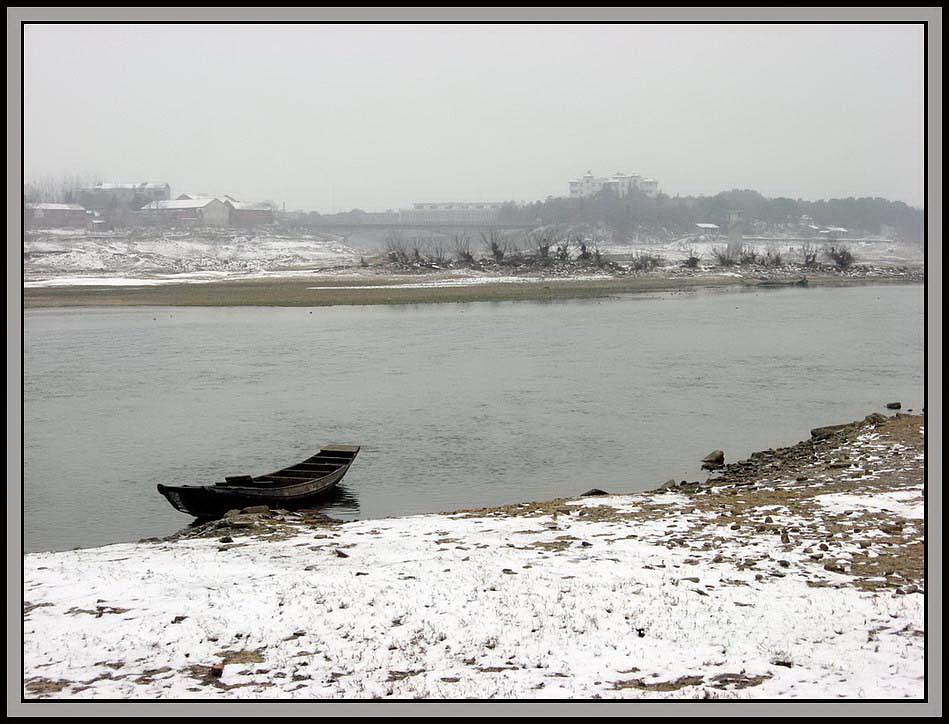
x,y
334,117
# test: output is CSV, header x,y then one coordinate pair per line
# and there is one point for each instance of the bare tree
x,y
55,189
809,255
519,249
597,256
646,262
416,249
583,254
396,248
462,247
437,253
543,240
747,255
495,245
725,255
692,258
773,257
563,250
841,256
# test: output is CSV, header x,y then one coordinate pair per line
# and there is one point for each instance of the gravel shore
x,y
795,574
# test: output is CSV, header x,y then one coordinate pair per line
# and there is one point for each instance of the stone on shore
x,y
826,431
257,509
716,457
592,492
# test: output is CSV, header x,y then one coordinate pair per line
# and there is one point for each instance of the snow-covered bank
x,y
153,257
785,588
205,277
148,256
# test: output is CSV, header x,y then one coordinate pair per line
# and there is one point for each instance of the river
x,y
455,405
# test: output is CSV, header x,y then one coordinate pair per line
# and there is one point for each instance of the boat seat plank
x,y
350,450
238,479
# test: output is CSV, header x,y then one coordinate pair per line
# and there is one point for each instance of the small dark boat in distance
x,y
802,282
286,488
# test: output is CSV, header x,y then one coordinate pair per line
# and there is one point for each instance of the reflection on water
x,y
340,502
454,405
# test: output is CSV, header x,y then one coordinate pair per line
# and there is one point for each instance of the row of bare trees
x,y
56,189
542,245
548,246
739,254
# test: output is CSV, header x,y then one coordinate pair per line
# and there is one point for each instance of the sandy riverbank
x,y
796,575
357,286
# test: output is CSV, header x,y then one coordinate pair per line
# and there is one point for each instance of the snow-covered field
x,y
54,259
658,595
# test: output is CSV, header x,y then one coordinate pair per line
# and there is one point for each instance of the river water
x,y
455,405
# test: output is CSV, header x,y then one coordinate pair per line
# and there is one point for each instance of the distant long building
x,y
452,212
621,184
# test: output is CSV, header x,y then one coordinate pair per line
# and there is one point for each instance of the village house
x,y
240,213
708,230
247,214
186,212
55,216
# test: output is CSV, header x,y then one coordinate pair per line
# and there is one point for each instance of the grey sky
x,y
332,117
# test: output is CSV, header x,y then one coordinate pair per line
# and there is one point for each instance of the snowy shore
x,y
794,580
152,257
63,260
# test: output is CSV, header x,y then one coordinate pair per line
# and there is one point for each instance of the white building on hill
x,y
620,183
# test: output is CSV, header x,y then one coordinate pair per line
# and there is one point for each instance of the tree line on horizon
x,y
639,213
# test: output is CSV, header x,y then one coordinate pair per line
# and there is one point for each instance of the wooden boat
x,y
290,487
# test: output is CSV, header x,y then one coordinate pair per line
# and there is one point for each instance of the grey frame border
x,y
932,15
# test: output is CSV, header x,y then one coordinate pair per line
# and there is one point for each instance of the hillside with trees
x,y
638,215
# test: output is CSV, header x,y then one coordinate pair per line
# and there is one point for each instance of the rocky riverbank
x,y
797,573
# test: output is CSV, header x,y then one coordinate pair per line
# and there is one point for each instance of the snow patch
x,y
906,504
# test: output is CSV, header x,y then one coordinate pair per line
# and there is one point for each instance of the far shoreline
x,y
366,290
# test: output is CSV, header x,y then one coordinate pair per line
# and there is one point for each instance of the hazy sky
x,y
332,117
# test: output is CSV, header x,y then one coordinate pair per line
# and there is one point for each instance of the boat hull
x,y
212,501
